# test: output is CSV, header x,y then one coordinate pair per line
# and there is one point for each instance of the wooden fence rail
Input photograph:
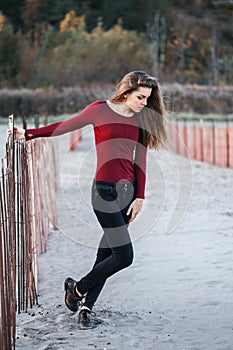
x,y
210,141
27,209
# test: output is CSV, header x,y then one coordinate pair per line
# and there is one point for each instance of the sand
x,y
178,292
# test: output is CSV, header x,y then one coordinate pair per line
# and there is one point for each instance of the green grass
x,y
196,117
31,120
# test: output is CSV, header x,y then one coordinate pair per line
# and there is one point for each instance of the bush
x,y
198,98
50,101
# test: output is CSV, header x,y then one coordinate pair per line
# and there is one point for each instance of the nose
x,y
144,102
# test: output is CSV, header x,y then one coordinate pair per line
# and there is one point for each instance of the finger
x,y
9,133
132,218
129,210
133,215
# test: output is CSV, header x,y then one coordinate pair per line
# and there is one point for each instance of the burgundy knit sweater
x,y
120,153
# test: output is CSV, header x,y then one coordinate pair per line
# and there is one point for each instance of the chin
x,y
137,110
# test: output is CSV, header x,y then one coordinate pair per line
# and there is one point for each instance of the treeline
x,y
71,56
55,43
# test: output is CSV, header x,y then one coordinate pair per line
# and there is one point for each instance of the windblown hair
x,y
151,118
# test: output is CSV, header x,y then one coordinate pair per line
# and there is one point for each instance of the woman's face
x,y
137,99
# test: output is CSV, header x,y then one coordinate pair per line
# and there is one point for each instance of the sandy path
x,y
178,292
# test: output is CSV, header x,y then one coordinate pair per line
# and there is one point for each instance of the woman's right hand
x,y
19,133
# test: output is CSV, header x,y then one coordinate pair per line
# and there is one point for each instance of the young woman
x,y
125,127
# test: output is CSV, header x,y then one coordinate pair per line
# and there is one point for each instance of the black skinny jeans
x,y
110,203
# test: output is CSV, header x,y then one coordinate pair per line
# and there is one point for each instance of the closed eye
x,y
141,97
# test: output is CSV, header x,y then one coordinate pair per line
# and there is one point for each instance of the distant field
x,y
175,116
2,140
51,119
196,116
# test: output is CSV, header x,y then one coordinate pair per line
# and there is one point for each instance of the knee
x,y
128,260
125,259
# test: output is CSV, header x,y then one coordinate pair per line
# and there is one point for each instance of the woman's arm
x,y
58,128
87,116
140,169
140,175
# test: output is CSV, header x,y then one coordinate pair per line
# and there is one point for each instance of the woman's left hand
x,y
134,208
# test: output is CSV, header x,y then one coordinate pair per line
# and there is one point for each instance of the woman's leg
x,y
93,293
121,253
115,251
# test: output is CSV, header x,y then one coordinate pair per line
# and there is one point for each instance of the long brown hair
x,y
151,118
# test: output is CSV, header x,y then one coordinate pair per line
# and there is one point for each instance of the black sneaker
x,y
84,322
72,300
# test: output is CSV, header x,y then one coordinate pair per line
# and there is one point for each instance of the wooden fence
x,y
207,141
27,208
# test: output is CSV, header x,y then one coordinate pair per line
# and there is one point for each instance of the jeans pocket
x,y
103,193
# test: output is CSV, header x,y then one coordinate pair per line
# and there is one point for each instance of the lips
x,y
137,108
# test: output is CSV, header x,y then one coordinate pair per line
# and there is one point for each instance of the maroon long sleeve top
x,y
121,155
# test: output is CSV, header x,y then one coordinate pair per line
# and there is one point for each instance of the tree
x,y
157,36
31,17
12,10
40,11
9,56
